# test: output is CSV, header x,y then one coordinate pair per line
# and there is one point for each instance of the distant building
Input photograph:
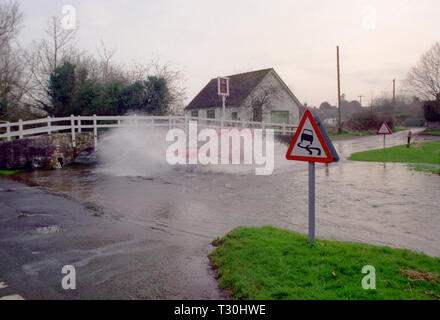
x,y
254,96
331,122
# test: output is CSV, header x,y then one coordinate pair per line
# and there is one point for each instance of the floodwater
x,y
377,203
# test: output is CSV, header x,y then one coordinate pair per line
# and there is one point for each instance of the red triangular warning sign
x,y
308,144
384,129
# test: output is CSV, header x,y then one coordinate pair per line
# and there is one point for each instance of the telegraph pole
x,y
339,92
394,91
360,99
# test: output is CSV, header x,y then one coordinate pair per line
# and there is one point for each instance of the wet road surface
x,y
149,236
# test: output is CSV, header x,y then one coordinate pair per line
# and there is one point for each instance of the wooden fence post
x,y
49,125
20,128
95,133
8,131
72,125
79,123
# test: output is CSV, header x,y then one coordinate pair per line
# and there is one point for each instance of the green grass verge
x,y
269,263
10,172
396,129
419,152
434,133
432,168
347,133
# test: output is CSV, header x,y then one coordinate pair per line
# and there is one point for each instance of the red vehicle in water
x,y
243,135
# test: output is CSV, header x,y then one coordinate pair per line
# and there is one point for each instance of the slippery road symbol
x,y
310,142
307,141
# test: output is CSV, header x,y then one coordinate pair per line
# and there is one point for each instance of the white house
x,y
331,122
253,96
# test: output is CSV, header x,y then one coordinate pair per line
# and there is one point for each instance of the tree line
x,y
419,102
53,76
70,91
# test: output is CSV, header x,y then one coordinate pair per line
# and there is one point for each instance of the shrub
x,y
414,123
432,110
400,118
367,120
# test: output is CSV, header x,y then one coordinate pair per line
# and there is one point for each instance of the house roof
x,y
240,86
326,114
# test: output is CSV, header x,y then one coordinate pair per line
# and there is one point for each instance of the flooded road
x,y
184,210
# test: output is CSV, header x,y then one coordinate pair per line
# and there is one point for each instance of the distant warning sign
x,y
384,129
310,143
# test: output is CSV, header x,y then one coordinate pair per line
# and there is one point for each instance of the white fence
x,y
73,124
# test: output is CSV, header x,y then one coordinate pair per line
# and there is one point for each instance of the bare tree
x,y
260,102
43,57
10,22
424,79
109,70
175,83
12,83
138,71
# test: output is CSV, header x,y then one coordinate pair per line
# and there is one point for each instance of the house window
x,y
210,114
234,115
279,117
257,114
195,113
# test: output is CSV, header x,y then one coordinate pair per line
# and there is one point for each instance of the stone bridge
x,y
45,151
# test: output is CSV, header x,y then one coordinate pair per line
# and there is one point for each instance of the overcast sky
x,y
205,38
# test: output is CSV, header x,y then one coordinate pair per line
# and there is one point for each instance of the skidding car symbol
x,y
307,141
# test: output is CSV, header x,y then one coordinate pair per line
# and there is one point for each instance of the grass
x,y
432,132
274,264
397,129
432,168
427,154
10,172
347,133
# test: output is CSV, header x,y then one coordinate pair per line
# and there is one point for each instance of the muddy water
x,y
384,204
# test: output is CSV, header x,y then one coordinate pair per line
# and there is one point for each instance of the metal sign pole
x,y
224,105
311,202
384,142
311,143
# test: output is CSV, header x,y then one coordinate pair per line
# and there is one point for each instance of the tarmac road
x,y
113,259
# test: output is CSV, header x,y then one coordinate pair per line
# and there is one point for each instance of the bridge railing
x,y
77,124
